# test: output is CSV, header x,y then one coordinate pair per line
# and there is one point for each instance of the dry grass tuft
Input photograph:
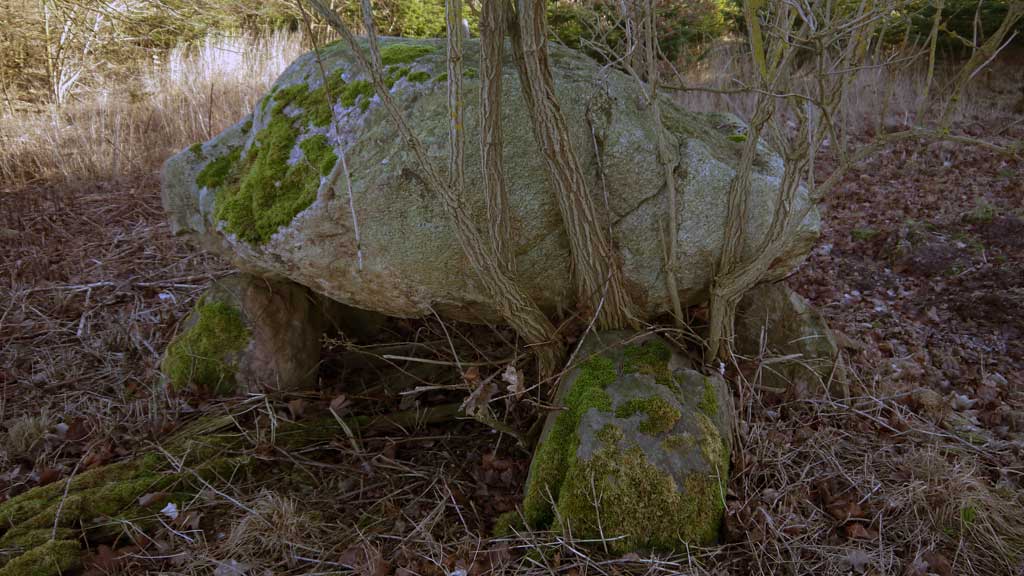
x,y
274,530
25,436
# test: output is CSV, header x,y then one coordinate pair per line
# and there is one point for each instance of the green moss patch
x,y
354,90
40,528
263,192
658,488
713,446
197,357
709,399
639,501
403,53
419,76
507,524
54,557
318,152
651,358
864,234
215,173
547,471
661,415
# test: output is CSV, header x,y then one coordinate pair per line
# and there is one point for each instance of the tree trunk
x,y
600,285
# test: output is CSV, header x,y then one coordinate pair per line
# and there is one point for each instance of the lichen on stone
x,y
660,415
198,357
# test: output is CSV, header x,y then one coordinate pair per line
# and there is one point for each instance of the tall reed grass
x,y
132,123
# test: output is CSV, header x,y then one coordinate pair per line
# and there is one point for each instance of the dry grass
x,y
93,284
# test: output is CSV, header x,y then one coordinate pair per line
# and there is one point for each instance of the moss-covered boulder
x,y
639,450
798,351
272,195
248,334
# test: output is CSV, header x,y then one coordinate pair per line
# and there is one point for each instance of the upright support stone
x,y
248,334
795,332
639,450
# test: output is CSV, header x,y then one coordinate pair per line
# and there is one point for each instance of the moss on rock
x,y
200,356
547,470
656,480
215,173
709,399
638,500
418,76
266,189
403,53
90,503
50,559
650,357
507,524
661,416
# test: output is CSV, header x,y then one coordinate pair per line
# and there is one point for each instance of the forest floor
x,y
920,271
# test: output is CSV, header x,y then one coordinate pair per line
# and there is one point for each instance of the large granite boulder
x,y
638,451
270,193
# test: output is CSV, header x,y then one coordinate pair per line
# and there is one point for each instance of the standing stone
x,y
789,326
640,448
248,334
